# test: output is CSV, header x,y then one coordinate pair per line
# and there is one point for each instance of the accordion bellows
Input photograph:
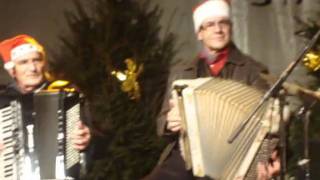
x,y
213,108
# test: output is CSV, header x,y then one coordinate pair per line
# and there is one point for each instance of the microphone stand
x,y
275,88
283,138
304,114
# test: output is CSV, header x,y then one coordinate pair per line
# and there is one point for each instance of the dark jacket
x,y
239,67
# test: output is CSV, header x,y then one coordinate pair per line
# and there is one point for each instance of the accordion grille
x,y
72,155
213,111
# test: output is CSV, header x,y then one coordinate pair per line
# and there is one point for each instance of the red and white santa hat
x,y
13,48
208,9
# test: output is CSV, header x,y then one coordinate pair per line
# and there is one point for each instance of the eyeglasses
x,y
211,24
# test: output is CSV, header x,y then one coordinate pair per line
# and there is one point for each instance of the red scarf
x,y
216,63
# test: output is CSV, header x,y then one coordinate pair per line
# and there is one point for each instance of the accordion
x,y
211,109
12,155
56,115
40,148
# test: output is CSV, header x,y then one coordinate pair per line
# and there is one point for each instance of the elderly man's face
x,y
215,33
29,71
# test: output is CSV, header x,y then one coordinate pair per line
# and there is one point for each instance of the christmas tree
x,y
305,126
118,57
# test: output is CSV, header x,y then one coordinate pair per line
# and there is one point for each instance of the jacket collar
x,y
234,56
14,87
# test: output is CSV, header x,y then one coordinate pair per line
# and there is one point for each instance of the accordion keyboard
x,y
72,155
8,160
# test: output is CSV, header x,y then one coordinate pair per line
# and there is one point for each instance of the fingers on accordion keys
x,y
262,171
266,171
273,165
81,136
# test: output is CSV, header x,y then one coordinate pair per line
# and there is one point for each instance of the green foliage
x,y
126,144
296,129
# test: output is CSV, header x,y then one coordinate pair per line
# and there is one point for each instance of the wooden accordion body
x,y
212,109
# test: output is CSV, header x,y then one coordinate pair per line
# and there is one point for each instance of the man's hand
x,y
267,171
173,116
80,136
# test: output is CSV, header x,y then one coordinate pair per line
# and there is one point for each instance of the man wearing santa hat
x,y
24,59
218,58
